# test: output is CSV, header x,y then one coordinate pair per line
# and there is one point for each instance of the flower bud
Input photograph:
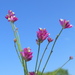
x,y
71,57
15,40
49,39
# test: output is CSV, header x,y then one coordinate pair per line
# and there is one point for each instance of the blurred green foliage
x,y
56,72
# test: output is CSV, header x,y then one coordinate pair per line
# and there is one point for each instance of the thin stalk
x,y
37,57
24,71
16,34
17,37
26,68
62,66
42,56
51,50
20,58
65,63
17,52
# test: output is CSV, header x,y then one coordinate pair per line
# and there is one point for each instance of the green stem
x,y
16,34
37,57
24,71
42,56
51,50
17,52
26,68
24,64
62,66
65,63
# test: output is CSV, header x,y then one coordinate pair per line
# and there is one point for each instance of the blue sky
x,y
33,14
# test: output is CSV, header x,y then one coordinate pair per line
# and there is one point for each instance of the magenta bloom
x,y
27,54
65,23
49,39
42,34
11,16
32,73
71,57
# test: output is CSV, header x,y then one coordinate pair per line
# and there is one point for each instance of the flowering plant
x,y
25,54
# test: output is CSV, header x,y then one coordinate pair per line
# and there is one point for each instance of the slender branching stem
x,y
26,67
16,34
65,63
51,50
17,52
62,66
37,57
42,56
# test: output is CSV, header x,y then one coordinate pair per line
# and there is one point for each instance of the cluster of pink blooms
x,y
42,34
27,54
65,23
11,16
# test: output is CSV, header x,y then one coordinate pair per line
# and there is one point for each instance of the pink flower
x,y
71,57
65,23
42,34
49,39
27,54
11,16
32,73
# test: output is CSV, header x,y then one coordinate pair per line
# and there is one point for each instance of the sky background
x,y
33,14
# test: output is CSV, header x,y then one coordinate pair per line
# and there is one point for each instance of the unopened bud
x,y
15,40
16,28
71,57
49,39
